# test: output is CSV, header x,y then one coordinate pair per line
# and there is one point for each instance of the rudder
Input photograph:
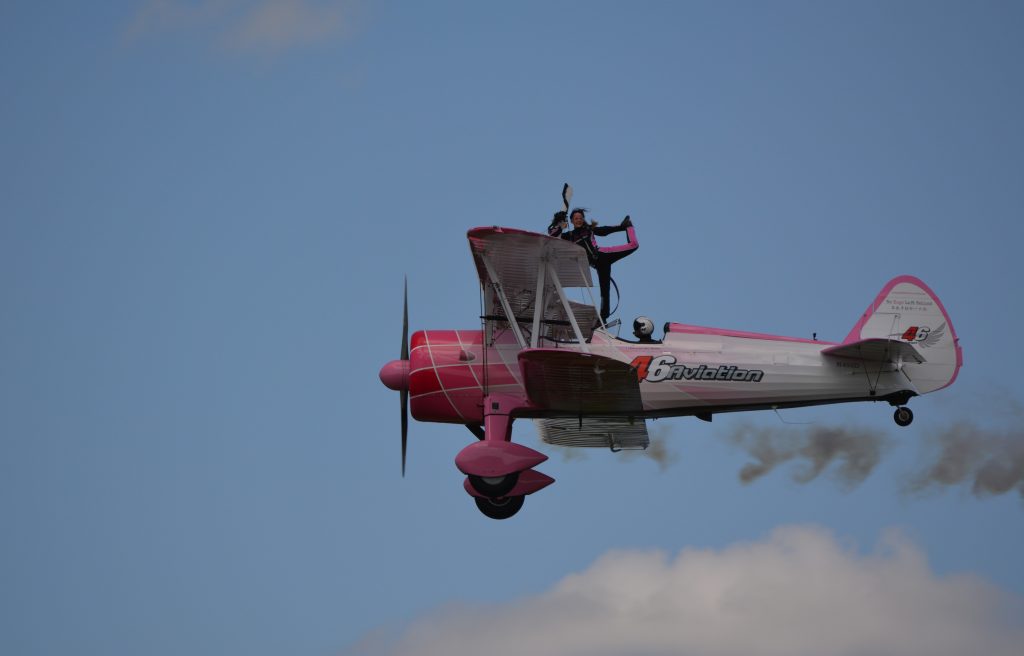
x,y
908,310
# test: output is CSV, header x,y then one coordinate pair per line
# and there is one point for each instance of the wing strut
x,y
500,291
568,310
590,293
538,301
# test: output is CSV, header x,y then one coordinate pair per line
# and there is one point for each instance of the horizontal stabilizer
x,y
876,349
579,383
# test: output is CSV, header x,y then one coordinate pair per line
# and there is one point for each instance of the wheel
x,y
903,416
497,486
500,508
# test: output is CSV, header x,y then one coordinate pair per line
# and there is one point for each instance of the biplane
x,y
540,355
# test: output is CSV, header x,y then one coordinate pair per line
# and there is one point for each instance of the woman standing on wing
x,y
585,234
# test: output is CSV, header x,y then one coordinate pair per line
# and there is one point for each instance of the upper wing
x,y
577,383
876,349
515,254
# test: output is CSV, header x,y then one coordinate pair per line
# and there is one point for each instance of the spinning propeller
x,y
404,394
395,374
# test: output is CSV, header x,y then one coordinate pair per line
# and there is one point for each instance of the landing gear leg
x,y
499,473
903,416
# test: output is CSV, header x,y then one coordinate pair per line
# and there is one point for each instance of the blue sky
x,y
206,213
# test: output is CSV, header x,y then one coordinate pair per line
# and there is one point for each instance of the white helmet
x,y
643,327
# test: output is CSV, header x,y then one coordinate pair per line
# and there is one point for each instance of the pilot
x,y
643,328
584,234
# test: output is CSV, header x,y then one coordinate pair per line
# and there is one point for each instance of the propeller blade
x,y
405,426
405,356
405,321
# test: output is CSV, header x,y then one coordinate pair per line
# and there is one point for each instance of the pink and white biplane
x,y
541,356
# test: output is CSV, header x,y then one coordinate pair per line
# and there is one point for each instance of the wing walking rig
x,y
539,355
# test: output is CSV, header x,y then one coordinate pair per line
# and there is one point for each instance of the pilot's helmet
x,y
643,327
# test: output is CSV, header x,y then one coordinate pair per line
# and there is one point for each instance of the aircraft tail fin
x,y
909,311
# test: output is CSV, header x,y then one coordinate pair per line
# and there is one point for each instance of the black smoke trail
x,y
854,452
990,461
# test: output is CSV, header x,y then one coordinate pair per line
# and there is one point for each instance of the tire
x,y
494,487
500,508
903,416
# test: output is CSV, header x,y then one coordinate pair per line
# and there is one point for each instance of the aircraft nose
x,y
395,375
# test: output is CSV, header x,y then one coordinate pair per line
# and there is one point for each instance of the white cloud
x,y
797,592
247,25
